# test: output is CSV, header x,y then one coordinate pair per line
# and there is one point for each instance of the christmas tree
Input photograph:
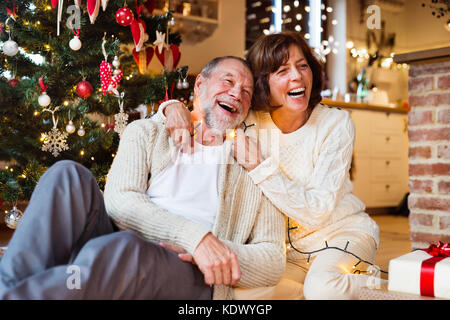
x,y
56,102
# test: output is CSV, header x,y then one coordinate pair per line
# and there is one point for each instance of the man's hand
x,y
246,151
216,261
179,126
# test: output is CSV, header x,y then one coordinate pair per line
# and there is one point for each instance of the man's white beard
x,y
220,124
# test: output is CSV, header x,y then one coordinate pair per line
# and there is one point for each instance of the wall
x,y
227,39
429,154
415,29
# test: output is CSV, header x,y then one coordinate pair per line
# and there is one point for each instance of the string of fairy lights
x,y
327,247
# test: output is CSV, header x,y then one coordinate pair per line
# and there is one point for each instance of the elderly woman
x,y
299,152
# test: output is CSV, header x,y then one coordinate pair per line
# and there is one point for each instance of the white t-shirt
x,y
188,186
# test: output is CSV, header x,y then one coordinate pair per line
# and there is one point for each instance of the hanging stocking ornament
x,y
121,118
54,141
138,28
75,43
109,82
43,100
93,8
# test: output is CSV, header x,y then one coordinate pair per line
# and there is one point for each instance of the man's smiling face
x,y
224,97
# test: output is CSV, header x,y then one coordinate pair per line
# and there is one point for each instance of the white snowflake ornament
x,y
55,141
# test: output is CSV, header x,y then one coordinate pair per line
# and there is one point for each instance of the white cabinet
x,y
380,157
380,164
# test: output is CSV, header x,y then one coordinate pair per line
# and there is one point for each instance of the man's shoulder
x,y
146,126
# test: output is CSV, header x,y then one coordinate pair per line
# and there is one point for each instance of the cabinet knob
x,y
388,138
387,187
388,162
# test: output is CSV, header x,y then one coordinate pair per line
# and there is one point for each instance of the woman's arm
x,y
312,204
178,124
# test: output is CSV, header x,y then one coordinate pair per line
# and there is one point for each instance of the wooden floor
x,y
394,238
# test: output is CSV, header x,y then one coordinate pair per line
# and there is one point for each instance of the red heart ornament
x,y
169,60
138,28
143,58
54,3
93,8
176,55
150,5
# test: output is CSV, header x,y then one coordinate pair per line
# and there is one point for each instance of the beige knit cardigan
x,y
246,220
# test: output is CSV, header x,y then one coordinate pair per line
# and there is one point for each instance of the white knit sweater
x,y
246,220
306,175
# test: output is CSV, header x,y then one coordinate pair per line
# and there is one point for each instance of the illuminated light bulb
x,y
296,3
82,152
329,9
334,22
298,16
307,36
307,8
113,155
66,103
36,113
298,28
92,158
232,134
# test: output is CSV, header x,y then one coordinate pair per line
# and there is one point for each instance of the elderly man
x,y
193,224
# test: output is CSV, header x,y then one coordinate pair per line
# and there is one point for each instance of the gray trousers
x,y
66,247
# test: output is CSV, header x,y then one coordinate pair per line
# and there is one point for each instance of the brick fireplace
x,y
429,149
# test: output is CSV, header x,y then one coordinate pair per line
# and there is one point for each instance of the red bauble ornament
x,y
124,16
13,82
84,89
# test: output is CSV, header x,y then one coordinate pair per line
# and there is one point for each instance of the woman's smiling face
x,y
291,85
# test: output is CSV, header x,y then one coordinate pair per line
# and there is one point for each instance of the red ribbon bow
x,y
439,252
42,85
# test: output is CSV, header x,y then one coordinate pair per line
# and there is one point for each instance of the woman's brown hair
x,y
270,52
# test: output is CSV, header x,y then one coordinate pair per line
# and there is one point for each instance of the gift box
x,y
425,272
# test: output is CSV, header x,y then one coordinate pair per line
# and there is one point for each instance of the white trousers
x,y
328,275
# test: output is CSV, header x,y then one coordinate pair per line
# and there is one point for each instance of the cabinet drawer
x,y
388,122
385,144
386,169
388,194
